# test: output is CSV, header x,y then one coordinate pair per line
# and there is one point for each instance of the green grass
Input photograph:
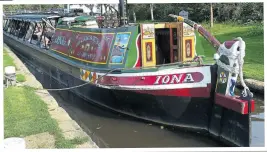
x,y
251,34
20,78
8,61
26,114
70,143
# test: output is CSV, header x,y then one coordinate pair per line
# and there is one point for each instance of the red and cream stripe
x,y
193,81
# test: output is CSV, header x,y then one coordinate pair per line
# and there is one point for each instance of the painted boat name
x,y
174,79
61,40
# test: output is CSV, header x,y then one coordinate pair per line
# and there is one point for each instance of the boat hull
x,y
191,113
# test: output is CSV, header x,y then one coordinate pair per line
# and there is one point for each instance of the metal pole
x,y
121,11
27,28
68,8
101,5
33,31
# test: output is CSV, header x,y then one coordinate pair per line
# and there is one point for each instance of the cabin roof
x,y
32,17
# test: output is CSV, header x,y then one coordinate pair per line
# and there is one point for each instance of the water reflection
x,y
257,119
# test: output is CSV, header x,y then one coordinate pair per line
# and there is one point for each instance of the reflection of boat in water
x,y
181,91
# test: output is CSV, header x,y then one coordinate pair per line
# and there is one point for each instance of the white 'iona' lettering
x,y
188,78
165,79
176,79
158,78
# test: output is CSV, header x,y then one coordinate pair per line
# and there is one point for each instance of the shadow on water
x,y
113,130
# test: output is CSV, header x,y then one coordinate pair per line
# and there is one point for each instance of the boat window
x,y
36,32
10,26
6,25
28,36
22,29
47,35
43,34
14,28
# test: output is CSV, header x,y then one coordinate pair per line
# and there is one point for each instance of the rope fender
x,y
238,56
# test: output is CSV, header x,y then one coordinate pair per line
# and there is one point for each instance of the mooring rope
x,y
68,88
239,57
195,59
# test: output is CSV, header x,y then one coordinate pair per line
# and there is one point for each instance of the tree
x,y
211,15
151,12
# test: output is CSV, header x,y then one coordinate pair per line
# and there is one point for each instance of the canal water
x,y
112,130
116,131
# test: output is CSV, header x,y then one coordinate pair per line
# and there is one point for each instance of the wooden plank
x,y
171,44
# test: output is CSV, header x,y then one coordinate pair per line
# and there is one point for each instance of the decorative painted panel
x,y
120,47
91,47
149,51
188,48
88,76
61,41
148,45
188,30
148,31
95,46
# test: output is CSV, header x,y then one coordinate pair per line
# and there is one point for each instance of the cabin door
x,y
176,45
148,45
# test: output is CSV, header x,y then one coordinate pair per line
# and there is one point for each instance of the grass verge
x,y
251,34
8,61
20,78
26,114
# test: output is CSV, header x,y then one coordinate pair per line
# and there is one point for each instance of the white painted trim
x,y
136,43
205,70
156,87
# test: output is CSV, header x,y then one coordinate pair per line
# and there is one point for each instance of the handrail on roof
x,y
36,16
33,17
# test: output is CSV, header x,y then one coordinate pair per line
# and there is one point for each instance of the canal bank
x,y
59,130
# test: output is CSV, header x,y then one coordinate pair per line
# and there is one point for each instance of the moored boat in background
x,y
150,71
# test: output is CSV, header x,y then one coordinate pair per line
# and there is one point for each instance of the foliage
x,y
200,12
17,8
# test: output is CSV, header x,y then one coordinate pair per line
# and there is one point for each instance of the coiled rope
x,y
239,56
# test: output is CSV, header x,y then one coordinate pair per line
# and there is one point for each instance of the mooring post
x,y
10,75
14,143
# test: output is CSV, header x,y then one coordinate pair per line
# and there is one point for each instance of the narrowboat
x,y
150,71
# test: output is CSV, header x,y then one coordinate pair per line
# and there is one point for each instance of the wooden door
x,y
176,36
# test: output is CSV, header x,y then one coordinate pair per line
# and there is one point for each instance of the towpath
x,y
70,130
